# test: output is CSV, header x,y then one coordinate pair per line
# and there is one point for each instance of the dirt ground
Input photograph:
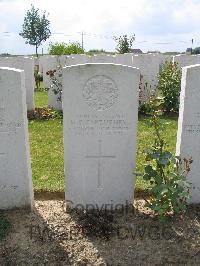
x,y
53,235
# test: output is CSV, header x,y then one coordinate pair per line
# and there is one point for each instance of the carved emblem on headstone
x,y
100,92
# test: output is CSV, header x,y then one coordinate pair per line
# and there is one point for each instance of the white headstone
x,y
188,136
74,59
27,64
149,65
47,63
100,103
103,58
15,169
186,60
124,59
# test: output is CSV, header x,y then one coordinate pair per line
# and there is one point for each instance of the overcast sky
x,y
165,25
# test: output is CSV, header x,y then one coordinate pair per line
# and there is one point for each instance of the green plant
x,y
124,43
4,227
35,28
196,50
56,83
170,191
49,151
57,48
169,85
38,78
145,91
144,108
65,48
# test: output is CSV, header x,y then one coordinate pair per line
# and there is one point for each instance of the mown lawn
x,y
46,141
41,99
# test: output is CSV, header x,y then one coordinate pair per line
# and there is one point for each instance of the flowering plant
x,y
56,84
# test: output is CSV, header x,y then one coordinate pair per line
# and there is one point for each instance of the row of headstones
x,y
27,64
100,128
149,65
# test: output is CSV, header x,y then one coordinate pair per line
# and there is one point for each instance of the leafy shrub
x,y
169,85
56,81
196,50
64,48
166,173
145,108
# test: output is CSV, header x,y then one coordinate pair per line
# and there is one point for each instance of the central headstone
x,y
100,103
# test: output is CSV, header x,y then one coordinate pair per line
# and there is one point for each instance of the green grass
x,y
46,141
41,98
145,138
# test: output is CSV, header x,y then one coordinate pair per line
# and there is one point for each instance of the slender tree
x,y
124,43
36,28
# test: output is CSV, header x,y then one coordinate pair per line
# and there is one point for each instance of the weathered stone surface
x,y
15,169
188,136
100,103
27,64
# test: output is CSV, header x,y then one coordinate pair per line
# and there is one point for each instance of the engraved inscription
x,y
100,92
9,127
90,124
5,187
99,156
192,128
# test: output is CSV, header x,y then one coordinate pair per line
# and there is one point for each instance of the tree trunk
x,y
36,50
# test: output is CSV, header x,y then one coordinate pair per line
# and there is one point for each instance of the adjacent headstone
x,y
125,59
46,64
102,58
186,60
188,136
74,59
149,65
100,103
15,169
27,64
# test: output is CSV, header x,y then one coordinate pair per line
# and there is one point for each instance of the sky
x,y
163,25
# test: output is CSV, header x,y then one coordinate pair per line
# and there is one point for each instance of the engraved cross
x,y
99,156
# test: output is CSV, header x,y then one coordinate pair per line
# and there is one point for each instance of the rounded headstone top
x,y
100,92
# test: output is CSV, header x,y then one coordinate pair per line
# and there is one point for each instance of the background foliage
x,y
65,48
124,43
36,28
169,86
